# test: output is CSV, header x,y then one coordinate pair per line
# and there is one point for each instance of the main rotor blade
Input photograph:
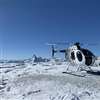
x,y
62,43
50,44
91,44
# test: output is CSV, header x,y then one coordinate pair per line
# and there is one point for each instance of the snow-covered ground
x,y
45,81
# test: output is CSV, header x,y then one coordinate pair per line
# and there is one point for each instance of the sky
x,y
26,25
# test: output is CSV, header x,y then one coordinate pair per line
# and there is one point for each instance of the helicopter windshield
x,y
72,55
79,56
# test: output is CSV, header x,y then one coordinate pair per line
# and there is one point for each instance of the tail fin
x,y
53,51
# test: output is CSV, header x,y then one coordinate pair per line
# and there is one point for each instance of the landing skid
x,y
94,73
75,74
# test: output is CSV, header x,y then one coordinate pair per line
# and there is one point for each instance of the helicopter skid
x,y
85,72
79,74
95,69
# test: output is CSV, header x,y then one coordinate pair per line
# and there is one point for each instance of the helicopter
x,y
77,55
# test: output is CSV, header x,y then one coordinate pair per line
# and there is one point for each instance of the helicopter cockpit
x,y
80,55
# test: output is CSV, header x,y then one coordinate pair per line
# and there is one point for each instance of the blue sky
x,y
26,25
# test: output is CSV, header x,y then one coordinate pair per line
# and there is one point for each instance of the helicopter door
x,y
88,61
72,55
79,56
90,58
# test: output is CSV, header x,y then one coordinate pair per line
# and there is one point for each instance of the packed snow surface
x,y
45,81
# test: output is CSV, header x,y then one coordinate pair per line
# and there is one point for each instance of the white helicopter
x,y
81,57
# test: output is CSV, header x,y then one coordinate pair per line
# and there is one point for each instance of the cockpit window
x,y
79,56
72,56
